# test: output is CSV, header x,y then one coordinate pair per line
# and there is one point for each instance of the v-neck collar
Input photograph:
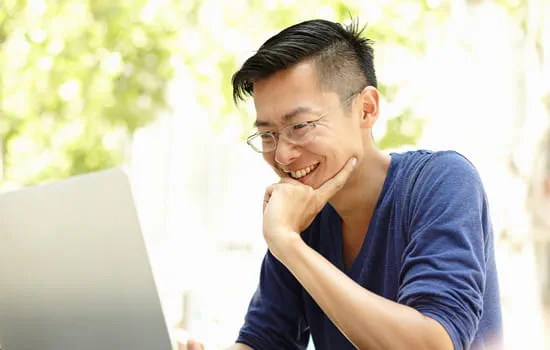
x,y
336,228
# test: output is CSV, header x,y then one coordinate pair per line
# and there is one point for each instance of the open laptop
x,y
74,270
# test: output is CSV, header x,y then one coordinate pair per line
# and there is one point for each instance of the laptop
x,y
74,270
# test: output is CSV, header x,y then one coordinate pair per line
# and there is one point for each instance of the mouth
x,y
301,174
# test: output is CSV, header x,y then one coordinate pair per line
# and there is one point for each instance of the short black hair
x,y
343,58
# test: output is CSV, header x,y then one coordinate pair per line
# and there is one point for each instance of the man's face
x,y
338,136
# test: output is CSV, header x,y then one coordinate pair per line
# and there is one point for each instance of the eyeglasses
x,y
297,134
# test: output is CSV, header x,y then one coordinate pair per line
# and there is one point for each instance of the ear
x,y
370,99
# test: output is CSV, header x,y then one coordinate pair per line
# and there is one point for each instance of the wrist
x,y
285,247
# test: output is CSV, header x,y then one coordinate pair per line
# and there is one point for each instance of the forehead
x,y
288,90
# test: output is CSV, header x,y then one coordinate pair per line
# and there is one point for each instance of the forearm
x,y
239,346
366,319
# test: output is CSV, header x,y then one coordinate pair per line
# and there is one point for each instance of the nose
x,y
285,153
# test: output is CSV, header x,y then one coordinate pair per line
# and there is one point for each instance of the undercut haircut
x,y
342,57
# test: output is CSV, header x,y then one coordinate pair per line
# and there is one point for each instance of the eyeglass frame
x,y
310,123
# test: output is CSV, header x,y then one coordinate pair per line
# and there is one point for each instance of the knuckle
x,y
318,202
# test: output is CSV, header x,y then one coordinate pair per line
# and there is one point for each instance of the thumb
x,y
329,188
291,181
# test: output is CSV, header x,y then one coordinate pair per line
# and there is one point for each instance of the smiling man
x,y
366,250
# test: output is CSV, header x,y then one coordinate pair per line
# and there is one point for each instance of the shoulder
x,y
426,167
450,160
452,169
438,179
422,160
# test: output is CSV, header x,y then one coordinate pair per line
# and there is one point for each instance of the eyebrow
x,y
285,118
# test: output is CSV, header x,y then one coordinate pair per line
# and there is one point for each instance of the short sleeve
x,y
445,261
275,317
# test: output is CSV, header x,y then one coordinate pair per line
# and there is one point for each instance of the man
x,y
366,250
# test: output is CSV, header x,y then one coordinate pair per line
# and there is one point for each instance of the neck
x,y
356,201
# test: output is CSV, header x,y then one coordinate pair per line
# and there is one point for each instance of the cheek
x,y
351,143
331,153
335,149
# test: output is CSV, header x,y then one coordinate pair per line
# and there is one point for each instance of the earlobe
x,y
370,119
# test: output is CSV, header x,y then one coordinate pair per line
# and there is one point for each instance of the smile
x,y
303,172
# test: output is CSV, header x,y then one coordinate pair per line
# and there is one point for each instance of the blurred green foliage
x,y
78,77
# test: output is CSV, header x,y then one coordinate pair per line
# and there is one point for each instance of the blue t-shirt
x,y
429,245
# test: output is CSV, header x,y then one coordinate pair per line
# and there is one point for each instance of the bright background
x,y
87,85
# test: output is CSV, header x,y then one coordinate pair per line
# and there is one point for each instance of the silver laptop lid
x,y
74,271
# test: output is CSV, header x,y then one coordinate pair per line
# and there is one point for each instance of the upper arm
x,y
275,317
444,264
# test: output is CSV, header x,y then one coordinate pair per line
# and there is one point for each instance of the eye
x,y
267,138
300,126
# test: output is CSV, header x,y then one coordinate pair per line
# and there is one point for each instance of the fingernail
x,y
353,161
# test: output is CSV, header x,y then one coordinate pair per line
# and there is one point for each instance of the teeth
x,y
303,172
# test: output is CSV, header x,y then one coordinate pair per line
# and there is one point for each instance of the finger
x,y
289,180
267,196
329,188
182,346
194,345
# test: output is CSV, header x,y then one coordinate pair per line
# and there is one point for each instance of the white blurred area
x,y
480,88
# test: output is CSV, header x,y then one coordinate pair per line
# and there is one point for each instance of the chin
x,y
322,177
318,180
